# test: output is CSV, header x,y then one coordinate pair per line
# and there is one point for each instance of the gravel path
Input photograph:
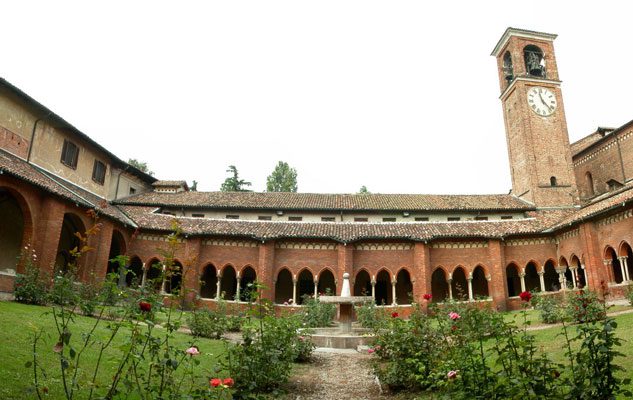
x,y
334,376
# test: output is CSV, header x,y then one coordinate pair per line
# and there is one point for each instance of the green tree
x,y
363,190
194,186
282,179
234,183
140,165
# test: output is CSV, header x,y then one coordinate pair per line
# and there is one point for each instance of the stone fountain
x,y
344,336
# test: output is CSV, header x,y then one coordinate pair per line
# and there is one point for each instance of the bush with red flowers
x,y
394,315
525,296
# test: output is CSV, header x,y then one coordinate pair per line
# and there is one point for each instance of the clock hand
x,y
544,103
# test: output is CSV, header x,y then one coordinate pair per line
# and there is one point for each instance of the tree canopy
x,y
140,165
234,183
363,190
282,179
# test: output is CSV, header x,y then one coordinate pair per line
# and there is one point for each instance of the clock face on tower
x,y
541,100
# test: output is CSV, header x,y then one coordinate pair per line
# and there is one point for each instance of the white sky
x,y
400,96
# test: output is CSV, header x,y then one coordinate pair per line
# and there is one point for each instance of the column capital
x,y
607,262
541,273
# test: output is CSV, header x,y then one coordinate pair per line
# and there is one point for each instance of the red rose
x,y
394,315
526,296
228,382
215,382
145,306
427,297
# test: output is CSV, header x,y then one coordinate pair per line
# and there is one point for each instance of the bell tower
x,y
536,128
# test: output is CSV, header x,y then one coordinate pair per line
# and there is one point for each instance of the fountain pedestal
x,y
343,337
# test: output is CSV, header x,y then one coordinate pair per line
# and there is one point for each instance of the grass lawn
x,y
19,324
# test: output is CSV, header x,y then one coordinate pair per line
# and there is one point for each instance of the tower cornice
x,y
528,79
520,33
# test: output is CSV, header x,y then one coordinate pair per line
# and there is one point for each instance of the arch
x,y
173,278
362,284
209,282
12,234
134,276
615,270
228,282
404,287
383,288
459,285
283,287
117,248
327,283
439,285
68,241
305,285
508,68
480,283
590,188
552,181
550,277
154,277
534,61
532,280
513,280
248,276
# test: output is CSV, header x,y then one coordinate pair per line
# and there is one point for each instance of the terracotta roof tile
x,y
346,231
337,202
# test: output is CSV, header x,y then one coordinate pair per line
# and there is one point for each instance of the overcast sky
x,y
400,96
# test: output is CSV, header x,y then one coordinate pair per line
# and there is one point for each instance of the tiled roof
x,y
14,166
331,202
601,204
346,231
169,183
585,142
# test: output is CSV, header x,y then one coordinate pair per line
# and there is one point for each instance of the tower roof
x,y
522,33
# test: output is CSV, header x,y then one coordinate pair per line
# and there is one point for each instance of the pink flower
x,y
192,351
454,316
285,303
451,374
394,315
427,296
370,350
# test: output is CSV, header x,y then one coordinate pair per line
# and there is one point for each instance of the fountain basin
x,y
334,338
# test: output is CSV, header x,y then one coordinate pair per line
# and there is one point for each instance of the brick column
x,y
497,282
265,274
191,274
345,264
595,271
95,262
421,272
46,232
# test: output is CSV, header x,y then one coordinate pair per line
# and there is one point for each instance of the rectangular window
x,y
197,215
328,219
132,190
389,219
453,218
232,216
70,153
98,172
361,219
265,218
421,219
481,218
506,217
295,218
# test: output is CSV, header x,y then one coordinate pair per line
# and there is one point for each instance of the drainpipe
x,y
28,156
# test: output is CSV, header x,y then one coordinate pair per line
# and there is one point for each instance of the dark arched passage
x,y
327,284
11,232
480,283
305,285
209,282
362,284
459,285
283,287
513,280
248,276
383,288
68,241
404,287
228,283
439,285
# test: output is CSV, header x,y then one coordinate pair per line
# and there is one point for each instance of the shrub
x,y
550,309
30,287
63,291
303,348
317,314
207,323
88,298
629,295
584,306
369,316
